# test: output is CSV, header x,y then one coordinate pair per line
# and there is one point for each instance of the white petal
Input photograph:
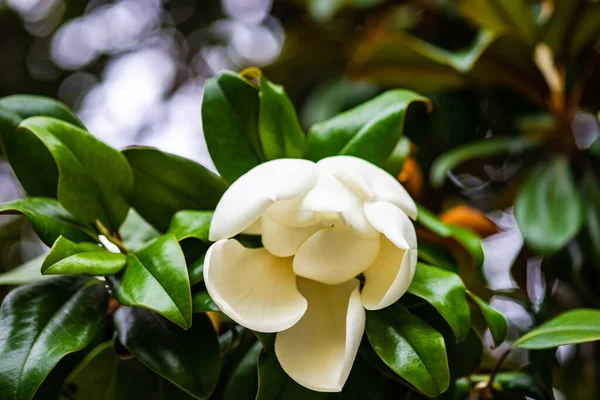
x,y
318,352
330,197
254,288
255,228
389,277
248,197
288,212
335,255
393,223
282,240
370,180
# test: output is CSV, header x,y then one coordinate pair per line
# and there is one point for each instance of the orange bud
x,y
471,219
215,318
411,177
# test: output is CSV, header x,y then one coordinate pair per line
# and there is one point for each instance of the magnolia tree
x,y
318,264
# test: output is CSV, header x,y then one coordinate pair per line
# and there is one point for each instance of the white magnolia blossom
x,y
322,225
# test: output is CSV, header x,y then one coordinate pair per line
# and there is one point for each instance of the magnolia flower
x,y
322,225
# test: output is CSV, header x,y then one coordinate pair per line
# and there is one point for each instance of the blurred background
x,y
134,71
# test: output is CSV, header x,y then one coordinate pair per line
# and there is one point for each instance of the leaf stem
x,y
487,390
114,238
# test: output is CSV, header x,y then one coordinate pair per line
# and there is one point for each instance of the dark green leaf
x,y
136,232
267,340
230,124
280,132
591,194
397,336
494,320
189,359
364,382
23,274
243,383
156,277
71,258
467,239
549,209
519,383
575,326
275,384
202,302
483,148
464,358
437,256
195,253
177,185
49,219
41,323
191,224
446,292
30,159
95,181
370,131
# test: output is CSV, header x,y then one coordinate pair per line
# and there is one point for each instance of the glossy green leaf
x,y
136,232
501,16
243,383
71,258
29,272
483,148
464,357
191,224
95,181
29,158
370,131
49,219
41,323
520,383
445,291
275,384
280,133
202,302
494,319
156,277
575,326
397,336
189,359
230,124
177,185
437,256
549,209
467,239
591,194
94,378
195,253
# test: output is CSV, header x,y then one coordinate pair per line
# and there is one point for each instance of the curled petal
x,y
373,182
282,240
288,212
389,277
249,196
335,255
393,223
254,288
318,352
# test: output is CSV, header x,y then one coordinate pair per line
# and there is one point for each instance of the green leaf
x,y
323,10
49,219
41,323
464,357
195,253
202,302
370,131
95,181
189,359
397,336
136,232
572,327
483,148
156,277
71,258
191,224
94,378
230,123
494,320
26,273
275,384
549,209
446,292
501,16
177,185
243,383
437,256
29,158
519,383
467,239
591,194
279,130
